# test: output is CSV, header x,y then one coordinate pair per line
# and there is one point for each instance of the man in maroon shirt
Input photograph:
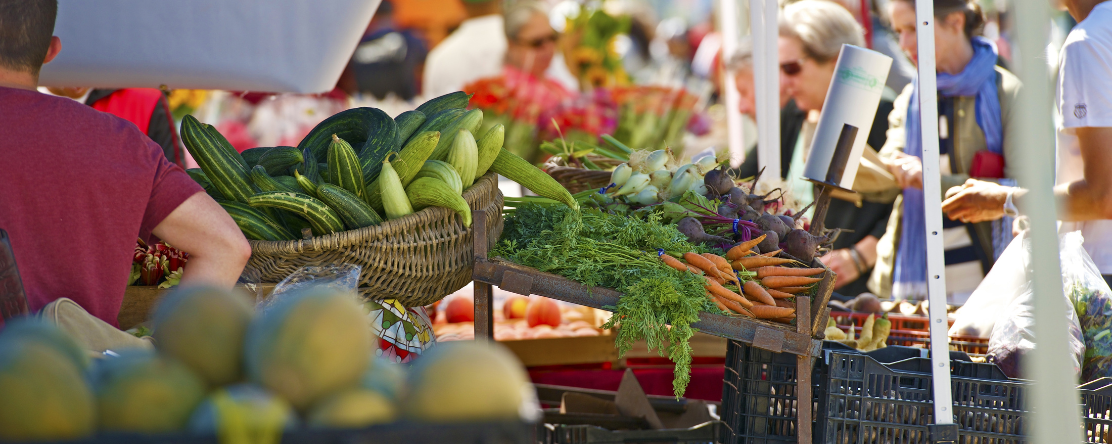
x,y
78,186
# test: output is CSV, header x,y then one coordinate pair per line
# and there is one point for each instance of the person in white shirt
x,y
1084,141
474,51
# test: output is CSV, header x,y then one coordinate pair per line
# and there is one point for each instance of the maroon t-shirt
x,y
77,187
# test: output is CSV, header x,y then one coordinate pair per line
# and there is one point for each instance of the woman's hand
x,y
907,169
978,201
841,263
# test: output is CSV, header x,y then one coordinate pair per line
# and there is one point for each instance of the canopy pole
x,y
763,17
727,10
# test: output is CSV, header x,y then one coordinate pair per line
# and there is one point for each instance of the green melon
x,y
242,408
143,392
308,345
36,329
203,328
43,395
353,408
469,381
385,377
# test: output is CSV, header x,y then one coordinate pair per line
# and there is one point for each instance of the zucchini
x,y
489,147
453,100
343,168
407,164
470,121
464,157
252,155
394,200
429,192
380,141
309,167
279,159
407,122
264,182
519,170
255,224
223,166
323,219
228,148
444,171
357,126
355,213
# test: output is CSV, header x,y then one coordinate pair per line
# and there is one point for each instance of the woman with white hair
x,y
812,33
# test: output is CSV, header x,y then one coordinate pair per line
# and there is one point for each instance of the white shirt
x,y
474,51
1085,100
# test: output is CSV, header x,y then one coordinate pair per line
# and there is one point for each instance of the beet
x,y
728,210
749,214
736,196
772,223
790,221
693,229
802,245
771,242
718,181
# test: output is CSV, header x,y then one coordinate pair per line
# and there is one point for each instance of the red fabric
x,y
987,165
77,187
706,379
134,105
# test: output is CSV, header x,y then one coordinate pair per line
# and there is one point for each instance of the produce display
x,y
219,367
874,334
158,264
359,168
521,318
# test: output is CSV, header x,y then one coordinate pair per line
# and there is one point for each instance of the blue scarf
x,y
977,79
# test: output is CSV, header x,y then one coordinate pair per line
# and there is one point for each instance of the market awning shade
x,y
298,46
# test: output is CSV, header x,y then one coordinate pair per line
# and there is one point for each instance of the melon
x,y
36,329
469,381
43,395
141,391
385,377
308,345
203,327
353,408
243,409
543,311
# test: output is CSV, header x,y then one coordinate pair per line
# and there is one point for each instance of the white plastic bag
x,y
1092,300
991,298
341,277
1013,334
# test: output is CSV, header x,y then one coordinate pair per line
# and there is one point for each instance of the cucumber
x,y
198,175
453,100
264,182
470,121
438,122
323,219
289,182
429,192
407,122
489,147
223,166
443,171
358,126
278,159
255,224
354,212
252,155
306,184
309,167
407,164
344,170
380,141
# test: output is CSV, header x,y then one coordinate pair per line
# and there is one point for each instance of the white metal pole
x,y
757,35
1054,400
932,198
771,116
727,18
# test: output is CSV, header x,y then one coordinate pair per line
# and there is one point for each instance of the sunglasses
x,y
792,68
537,43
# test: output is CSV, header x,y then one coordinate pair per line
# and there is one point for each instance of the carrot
x,y
693,270
792,290
720,262
673,262
785,320
771,312
764,272
778,294
720,305
771,253
758,261
754,291
740,250
717,279
787,281
784,303
735,307
703,263
720,291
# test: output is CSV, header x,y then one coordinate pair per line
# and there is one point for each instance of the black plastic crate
x,y
706,433
1096,410
759,396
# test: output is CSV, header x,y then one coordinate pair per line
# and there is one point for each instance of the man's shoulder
x,y
1093,33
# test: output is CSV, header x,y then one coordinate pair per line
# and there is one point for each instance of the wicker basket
x,y
417,259
577,179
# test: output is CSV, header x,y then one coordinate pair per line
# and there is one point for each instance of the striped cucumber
x,y
453,100
519,170
357,126
464,157
429,192
309,167
198,175
323,218
343,168
223,166
289,182
489,147
444,171
470,121
252,155
264,182
277,160
407,122
228,148
354,212
407,164
381,140
306,184
255,224
439,122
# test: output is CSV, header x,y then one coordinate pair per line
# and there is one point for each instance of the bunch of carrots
x,y
768,293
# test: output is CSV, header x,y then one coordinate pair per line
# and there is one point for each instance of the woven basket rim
x,y
406,224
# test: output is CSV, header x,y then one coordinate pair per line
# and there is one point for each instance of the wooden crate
x,y
140,299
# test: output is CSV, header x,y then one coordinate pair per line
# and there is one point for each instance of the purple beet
x,y
728,210
771,242
802,245
718,181
791,220
772,223
693,229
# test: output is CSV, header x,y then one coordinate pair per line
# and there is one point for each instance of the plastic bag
x,y
1092,300
342,277
990,299
1013,335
